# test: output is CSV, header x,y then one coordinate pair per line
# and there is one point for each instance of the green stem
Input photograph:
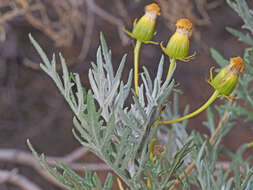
x,y
215,95
136,65
173,64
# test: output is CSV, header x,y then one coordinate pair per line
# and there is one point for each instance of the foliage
x,y
106,125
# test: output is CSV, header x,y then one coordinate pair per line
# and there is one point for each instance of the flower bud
x,y
179,43
144,28
226,80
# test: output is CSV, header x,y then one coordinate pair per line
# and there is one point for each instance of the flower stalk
x,y
173,64
136,65
143,31
214,96
224,83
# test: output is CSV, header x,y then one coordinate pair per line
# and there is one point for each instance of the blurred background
x,y
32,107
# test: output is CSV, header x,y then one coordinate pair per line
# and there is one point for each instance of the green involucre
x,y
178,46
144,29
225,81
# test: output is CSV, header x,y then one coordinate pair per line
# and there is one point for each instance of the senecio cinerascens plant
x,y
127,138
178,48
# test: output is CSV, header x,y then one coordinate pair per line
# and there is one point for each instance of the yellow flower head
x,y
144,28
153,9
226,80
184,25
179,43
236,65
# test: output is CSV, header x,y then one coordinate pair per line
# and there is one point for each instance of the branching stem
x,y
211,141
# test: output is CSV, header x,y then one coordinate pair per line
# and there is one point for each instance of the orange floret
x,y
153,8
184,23
236,64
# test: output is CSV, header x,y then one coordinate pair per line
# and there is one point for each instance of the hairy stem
x,y
136,65
214,96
